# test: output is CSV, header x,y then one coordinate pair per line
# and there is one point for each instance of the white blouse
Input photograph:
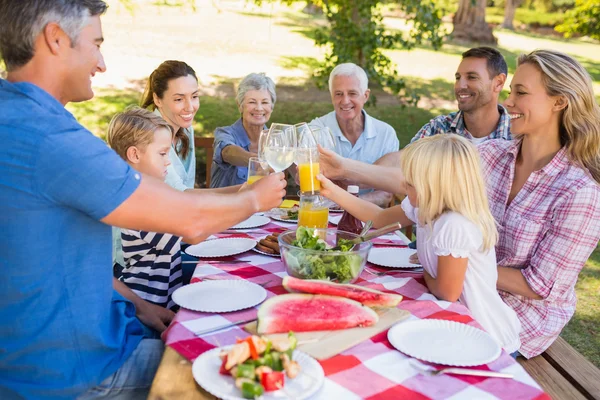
x,y
453,234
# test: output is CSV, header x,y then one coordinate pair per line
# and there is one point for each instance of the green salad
x,y
336,267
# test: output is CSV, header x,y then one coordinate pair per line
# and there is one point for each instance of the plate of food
x,y
285,214
257,367
269,246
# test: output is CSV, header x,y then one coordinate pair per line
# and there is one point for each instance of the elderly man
x,y
66,333
358,136
479,80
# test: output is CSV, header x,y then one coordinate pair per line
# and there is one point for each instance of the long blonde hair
x,y
133,127
445,171
580,120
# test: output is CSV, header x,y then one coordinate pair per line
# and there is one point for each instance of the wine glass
x,y
324,137
280,147
261,144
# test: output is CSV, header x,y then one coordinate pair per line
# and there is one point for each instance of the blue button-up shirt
x,y
64,328
224,174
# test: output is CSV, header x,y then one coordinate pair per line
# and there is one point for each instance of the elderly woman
x,y
235,144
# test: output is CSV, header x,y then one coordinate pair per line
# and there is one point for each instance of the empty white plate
x,y
252,222
221,247
219,295
444,342
335,219
206,372
392,257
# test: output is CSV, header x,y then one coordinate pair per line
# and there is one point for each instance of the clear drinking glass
x,y
313,212
324,137
307,159
280,147
257,169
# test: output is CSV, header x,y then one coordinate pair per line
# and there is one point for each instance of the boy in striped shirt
x,y
152,260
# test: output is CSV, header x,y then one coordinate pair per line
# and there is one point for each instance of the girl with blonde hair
x,y
544,192
456,232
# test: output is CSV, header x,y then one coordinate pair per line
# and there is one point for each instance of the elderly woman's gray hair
x,y
350,69
255,82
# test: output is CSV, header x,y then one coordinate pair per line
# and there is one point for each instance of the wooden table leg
x,y
174,380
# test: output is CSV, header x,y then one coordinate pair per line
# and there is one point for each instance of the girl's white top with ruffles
x,y
455,235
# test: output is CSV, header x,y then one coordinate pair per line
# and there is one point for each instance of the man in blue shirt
x,y
65,332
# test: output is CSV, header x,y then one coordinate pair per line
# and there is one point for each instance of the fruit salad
x,y
259,364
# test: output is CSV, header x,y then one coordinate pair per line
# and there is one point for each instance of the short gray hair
x,y
255,82
22,21
350,69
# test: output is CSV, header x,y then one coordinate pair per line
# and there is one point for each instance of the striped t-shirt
x,y
152,265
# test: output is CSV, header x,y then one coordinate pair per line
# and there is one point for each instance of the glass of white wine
x,y
324,137
280,147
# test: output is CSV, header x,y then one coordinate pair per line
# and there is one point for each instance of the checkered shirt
x,y
548,232
455,123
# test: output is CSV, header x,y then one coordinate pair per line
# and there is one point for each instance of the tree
x,y
355,33
510,7
584,19
469,22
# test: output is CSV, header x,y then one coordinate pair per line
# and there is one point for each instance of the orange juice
x,y
308,177
254,178
313,217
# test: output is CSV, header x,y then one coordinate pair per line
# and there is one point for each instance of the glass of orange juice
x,y
257,169
307,159
314,211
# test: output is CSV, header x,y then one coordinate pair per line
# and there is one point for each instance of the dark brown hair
x,y
158,82
496,64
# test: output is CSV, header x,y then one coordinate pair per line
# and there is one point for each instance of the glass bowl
x,y
337,266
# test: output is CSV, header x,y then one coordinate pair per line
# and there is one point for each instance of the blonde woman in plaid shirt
x,y
544,192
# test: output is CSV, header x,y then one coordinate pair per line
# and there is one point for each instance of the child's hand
x,y
328,188
156,317
414,259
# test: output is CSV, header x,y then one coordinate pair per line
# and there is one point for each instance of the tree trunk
x,y
469,23
509,13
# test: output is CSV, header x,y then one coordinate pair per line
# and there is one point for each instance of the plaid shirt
x,y
455,123
548,232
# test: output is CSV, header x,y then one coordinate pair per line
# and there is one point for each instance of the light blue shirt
x,y
377,139
64,329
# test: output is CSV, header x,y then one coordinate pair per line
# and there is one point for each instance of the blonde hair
x,y
133,127
580,120
445,171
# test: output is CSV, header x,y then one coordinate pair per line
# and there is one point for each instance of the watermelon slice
x,y
366,296
307,312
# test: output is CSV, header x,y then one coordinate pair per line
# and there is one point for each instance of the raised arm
x,y
236,155
335,167
156,207
363,209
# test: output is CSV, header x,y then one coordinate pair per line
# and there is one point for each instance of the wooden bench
x,y
563,373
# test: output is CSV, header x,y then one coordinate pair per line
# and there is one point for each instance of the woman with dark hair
x,y
172,93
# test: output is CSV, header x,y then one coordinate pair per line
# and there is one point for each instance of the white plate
x,y
206,372
252,222
444,342
219,295
335,219
336,210
221,247
266,254
392,257
289,221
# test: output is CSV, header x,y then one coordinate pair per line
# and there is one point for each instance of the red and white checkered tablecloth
x,y
371,370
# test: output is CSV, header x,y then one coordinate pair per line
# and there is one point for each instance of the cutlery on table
x,y
427,370
218,328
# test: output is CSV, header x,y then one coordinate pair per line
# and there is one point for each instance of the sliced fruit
x,y
366,296
307,312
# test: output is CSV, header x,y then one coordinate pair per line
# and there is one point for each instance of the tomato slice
x,y
272,381
222,370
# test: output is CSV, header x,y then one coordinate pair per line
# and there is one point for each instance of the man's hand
x,y
331,164
268,192
156,317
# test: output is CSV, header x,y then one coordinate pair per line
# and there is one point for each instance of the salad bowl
x,y
308,253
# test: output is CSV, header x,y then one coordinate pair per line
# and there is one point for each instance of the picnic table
x,y
374,369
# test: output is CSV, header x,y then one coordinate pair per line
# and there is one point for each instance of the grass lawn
x,y
225,45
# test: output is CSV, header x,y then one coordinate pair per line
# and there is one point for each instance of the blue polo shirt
x,y
64,329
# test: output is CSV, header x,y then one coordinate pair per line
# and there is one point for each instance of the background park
x,y
410,49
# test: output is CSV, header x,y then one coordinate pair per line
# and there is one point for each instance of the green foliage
x,y
356,33
584,19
